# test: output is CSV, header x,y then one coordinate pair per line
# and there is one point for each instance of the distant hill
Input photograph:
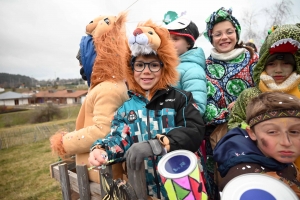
x,y
11,81
15,81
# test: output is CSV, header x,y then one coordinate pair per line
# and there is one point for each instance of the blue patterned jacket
x,y
172,112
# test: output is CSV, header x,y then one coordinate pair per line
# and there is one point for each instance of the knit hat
x,y
287,57
184,27
219,16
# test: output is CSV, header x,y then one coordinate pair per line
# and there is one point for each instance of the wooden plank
x,y
94,187
83,182
64,181
71,165
137,179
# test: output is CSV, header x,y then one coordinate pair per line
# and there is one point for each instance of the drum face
x,y
257,186
177,164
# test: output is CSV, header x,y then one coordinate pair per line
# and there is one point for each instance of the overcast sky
x,y
40,38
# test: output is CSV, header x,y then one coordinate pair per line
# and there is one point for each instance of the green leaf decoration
x,y
169,17
236,86
217,71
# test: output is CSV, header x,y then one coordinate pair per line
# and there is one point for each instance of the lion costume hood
x,y
150,38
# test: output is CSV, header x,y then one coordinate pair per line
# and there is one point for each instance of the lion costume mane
x,y
107,93
149,38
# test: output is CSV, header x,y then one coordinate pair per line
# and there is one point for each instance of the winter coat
x,y
226,80
192,76
237,154
171,112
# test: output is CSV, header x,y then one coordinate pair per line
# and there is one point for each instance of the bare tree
x,y
250,25
276,14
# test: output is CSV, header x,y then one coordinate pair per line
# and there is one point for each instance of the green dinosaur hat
x,y
281,39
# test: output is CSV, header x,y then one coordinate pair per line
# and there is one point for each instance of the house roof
x,y
61,94
13,95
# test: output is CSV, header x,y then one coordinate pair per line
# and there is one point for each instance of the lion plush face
x,y
100,25
144,40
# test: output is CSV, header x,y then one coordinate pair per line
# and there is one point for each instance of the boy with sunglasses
x,y
157,118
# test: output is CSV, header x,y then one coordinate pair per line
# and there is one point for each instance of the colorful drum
x,y
257,186
180,174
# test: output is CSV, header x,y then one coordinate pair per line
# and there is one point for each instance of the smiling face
x,y
180,44
279,70
147,79
224,37
278,138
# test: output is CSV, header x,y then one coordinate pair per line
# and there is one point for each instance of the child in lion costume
x,y
107,92
157,118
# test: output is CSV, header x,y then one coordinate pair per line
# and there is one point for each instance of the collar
x,y
227,56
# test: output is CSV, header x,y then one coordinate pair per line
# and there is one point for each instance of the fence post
x,y
137,180
64,181
83,182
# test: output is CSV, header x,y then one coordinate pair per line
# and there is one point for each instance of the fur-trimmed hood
x,y
159,42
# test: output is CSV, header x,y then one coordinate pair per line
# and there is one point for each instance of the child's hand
x,y
98,157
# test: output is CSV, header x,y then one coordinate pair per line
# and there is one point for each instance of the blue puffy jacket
x,y
192,76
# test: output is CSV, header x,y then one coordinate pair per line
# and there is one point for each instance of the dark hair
x,y
251,44
241,45
191,29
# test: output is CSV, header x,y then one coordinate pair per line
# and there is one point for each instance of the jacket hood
x,y
237,147
194,55
285,38
160,39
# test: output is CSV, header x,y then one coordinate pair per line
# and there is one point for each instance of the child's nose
x,y
147,68
285,140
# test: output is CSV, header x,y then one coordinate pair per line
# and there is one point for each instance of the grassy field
x,y
25,156
25,117
25,172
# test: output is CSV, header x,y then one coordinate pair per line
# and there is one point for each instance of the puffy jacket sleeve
x,y
189,131
194,81
119,140
238,112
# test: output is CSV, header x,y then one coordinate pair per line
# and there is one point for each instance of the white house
x,y
13,98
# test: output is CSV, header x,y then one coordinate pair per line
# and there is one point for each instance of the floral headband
x,y
220,15
273,114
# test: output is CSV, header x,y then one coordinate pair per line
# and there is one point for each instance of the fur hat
x,y
150,38
287,57
219,16
184,27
